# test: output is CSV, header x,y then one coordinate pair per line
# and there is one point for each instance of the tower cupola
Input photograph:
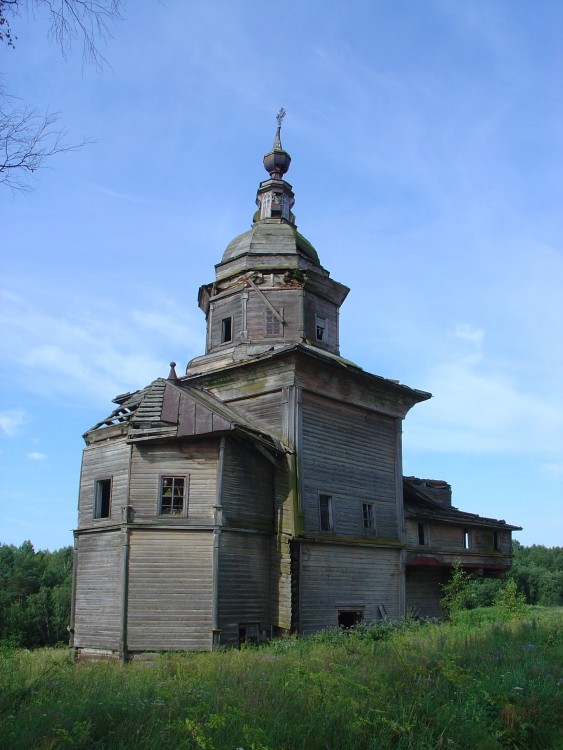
x,y
275,197
270,289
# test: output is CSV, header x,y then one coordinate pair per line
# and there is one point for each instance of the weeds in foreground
x,y
481,681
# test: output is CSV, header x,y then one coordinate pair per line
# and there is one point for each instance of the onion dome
x,y
275,197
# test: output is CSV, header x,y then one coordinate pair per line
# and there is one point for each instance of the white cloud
x,y
60,347
467,332
11,421
36,456
479,408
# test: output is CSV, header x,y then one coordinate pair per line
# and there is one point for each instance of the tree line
x,y
35,589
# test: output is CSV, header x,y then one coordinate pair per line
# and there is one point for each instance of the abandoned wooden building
x,y
262,492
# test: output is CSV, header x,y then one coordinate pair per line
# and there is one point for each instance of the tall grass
x,y
479,682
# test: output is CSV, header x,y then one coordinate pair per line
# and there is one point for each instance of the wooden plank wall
x,y
170,590
248,487
224,308
347,577
348,453
288,300
315,305
423,590
449,537
104,461
244,582
264,411
97,619
150,461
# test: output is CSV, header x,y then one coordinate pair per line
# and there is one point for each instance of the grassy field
x,y
481,682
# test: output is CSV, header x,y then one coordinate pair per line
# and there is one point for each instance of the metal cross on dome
x,y
279,117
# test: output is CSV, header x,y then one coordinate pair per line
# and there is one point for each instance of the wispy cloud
x,y
479,408
11,421
92,352
36,456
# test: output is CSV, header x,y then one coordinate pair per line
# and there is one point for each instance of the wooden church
x,y
262,493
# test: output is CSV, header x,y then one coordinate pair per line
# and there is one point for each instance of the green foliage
x,y
509,601
422,685
538,571
35,589
455,591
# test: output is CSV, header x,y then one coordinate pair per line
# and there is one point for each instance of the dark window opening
x,y
368,516
347,618
226,330
103,499
320,328
496,540
466,539
249,632
421,534
172,496
325,512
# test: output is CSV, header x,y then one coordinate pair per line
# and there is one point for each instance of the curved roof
x,y
270,236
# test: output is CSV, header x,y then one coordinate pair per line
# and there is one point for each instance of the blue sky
x,y
427,150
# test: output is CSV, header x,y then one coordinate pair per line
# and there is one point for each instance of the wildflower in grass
x,y
529,645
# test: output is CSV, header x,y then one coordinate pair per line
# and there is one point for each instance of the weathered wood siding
x,y
285,301
230,306
449,537
424,590
348,453
343,577
244,582
281,581
315,305
104,460
264,411
248,487
97,614
170,590
194,458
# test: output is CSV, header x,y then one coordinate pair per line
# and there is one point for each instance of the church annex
x,y
262,493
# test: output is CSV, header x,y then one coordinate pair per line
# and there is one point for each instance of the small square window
x,y
226,330
325,513
368,513
102,500
348,618
172,496
320,328
248,632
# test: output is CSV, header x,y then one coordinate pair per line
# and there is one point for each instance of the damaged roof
x,y
166,409
418,502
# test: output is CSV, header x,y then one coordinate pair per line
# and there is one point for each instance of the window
x,y
347,618
368,513
248,632
102,501
325,513
226,330
172,496
496,540
320,328
466,539
421,531
272,325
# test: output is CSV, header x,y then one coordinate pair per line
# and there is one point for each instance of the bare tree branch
x,y
29,138
89,20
